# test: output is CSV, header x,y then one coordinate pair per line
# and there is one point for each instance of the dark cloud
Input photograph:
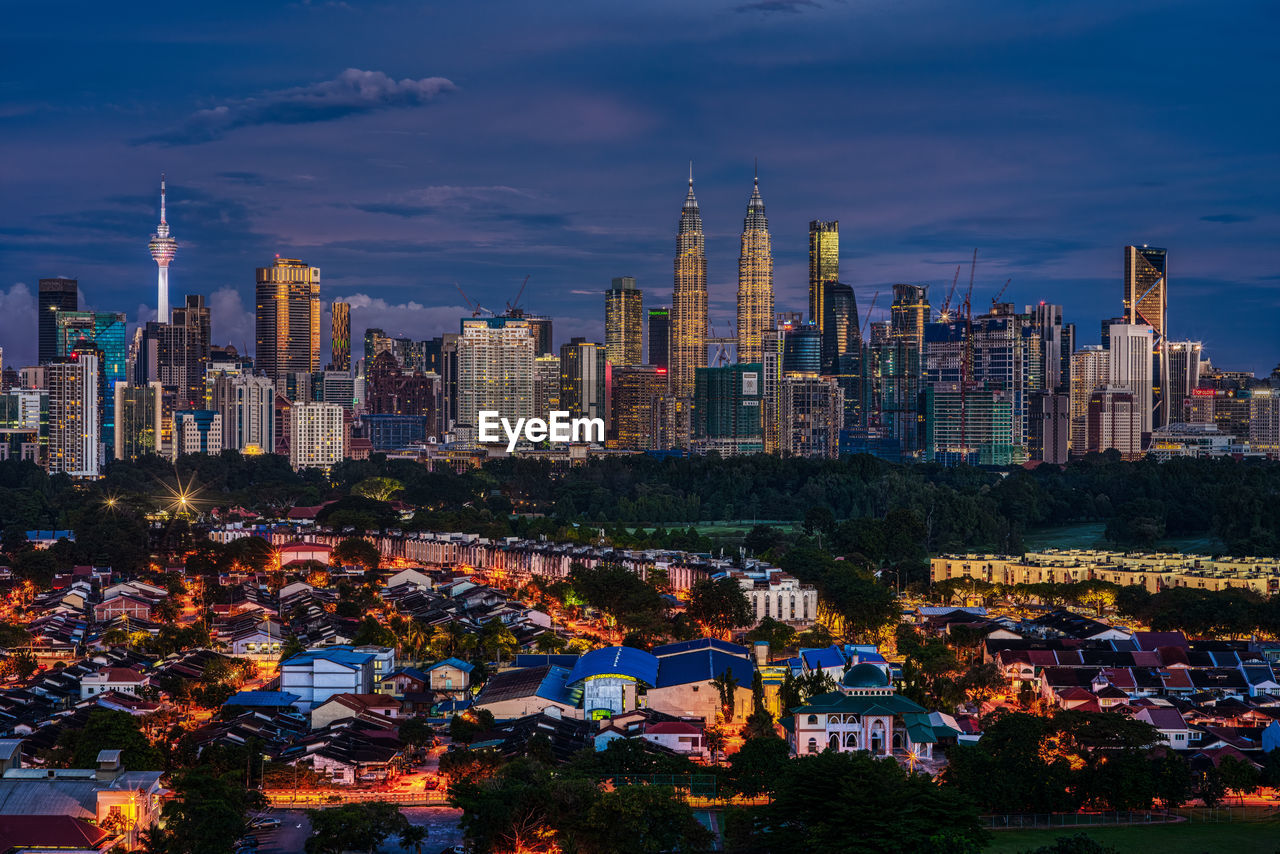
x,y
1228,219
351,92
792,7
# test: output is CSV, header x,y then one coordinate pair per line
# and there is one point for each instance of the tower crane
x,y
945,314
515,303
476,308
995,299
866,318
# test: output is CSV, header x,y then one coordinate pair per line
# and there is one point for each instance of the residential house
x,y
528,691
317,674
451,677
1168,720
123,680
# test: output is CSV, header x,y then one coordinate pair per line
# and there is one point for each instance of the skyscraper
x,y
184,352
1114,422
659,337
727,411
583,380
288,321
495,371
73,415
315,435
55,295
104,331
824,263
909,313
1090,370
163,247
340,336
1146,300
1132,358
624,323
546,385
841,332
247,404
138,419
812,414
1184,376
755,279
689,299
634,406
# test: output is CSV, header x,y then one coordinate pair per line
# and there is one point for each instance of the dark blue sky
x,y
480,142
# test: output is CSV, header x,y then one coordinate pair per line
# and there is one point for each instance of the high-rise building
x,y
824,264
584,380
659,337
540,326
624,323
727,409
841,331
970,428
247,404
138,419
184,352
801,348
1264,421
315,435
375,342
163,247
340,387
1132,357
1184,376
689,299
340,335
635,406
55,295
755,279
812,415
196,431
909,313
891,382
1090,370
495,371
1055,351
105,331
448,410
1114,422
74,434
390,390
1146,301
288,319
1049,426
546,385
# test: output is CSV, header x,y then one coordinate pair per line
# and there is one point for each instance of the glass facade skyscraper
x,y
624,323
659,337
689,299
1146,300
340,336
105,331
824,263
288,319
755,279
55,295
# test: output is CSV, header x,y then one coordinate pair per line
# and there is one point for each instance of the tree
x,y
362,826
640,819
1078,844
753,769
1238,775
354,551
777,634
413,836
378,488
108,730
726,685
719,605
416,732
207,815
464,728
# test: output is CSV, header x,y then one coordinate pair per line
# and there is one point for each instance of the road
x,y
295,828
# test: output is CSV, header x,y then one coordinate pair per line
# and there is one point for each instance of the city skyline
x,y
1049,204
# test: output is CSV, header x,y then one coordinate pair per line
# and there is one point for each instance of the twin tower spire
x,y
689,297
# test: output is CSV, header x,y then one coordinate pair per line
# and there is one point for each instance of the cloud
x,y
17,329
352,92
232,323
409,319
793,7
1227,219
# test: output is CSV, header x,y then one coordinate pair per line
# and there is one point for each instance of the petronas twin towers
x,y
689,298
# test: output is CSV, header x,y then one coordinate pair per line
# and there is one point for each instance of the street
x,y
295,828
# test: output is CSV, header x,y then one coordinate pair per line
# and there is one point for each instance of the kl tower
x,y
162,248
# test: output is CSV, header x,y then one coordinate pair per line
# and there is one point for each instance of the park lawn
x,y
1241,837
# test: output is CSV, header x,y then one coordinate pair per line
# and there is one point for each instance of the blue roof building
x,y
262,699
610,679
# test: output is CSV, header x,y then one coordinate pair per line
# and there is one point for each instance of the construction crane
x,y
995,299
511,306
476,308
866,318
945,315
722,354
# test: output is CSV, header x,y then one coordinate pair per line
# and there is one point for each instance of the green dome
x,y
865,675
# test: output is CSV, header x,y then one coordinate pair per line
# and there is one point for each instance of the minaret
x,y
689,299
162,248
755,279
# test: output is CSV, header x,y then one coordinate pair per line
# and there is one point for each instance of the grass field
x,y
1241,837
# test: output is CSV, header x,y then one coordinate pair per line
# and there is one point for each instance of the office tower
x,y
1184,376
1146,300
24,424
689,299
635,406
162,247
247,404
315,435
340,387
1090,369
546,385
196,431
891,382
1107,323
812,415
1132,355
288,320
1049,426
824,264
973,427
55,295
841,332
540,327
184,352
1114,422
1046,320
375,342
801,348
448,371
74,435
755,279
623,323
659,337
138,419
340,335
1264,421
1230,409
909,313
727,409
495,371
583,380
105,331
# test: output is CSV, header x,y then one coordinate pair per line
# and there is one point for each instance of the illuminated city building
x,y
183,353
824,264
1114,422
74,434
727,409
659,334
340,335
316,433
138,419
546,385
495,371
196,431
1184,376
688,340
163,247
974,428
755,279
54,295
1146,300
1264,421
105,331
288,319
540,327
584,380
624,323
1132,356
635,406
1090,369
811,416
247,404
909,313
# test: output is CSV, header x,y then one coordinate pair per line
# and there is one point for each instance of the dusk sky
x,y
404,146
